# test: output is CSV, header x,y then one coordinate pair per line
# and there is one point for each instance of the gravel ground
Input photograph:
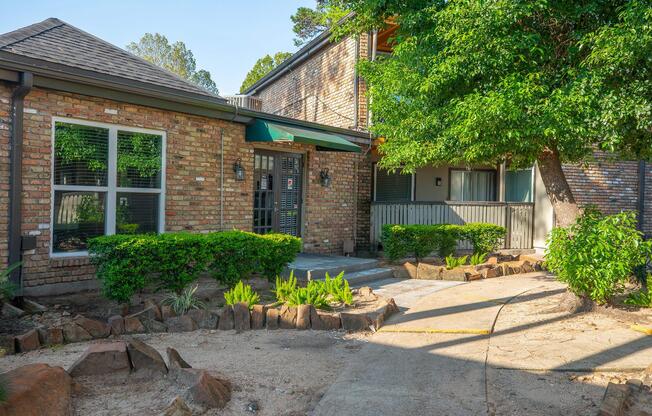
x,y
280,372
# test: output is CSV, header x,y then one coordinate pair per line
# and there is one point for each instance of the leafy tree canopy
x,y
175,57
472,81
309,23
262,67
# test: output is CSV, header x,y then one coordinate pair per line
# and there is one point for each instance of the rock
x,y
51,336
183,323
153,309
133,325
253,406
177,408
226,318
205,319
614,400
258,317
367,294
150,312
75,333
271,318
322,320
526,267
152,325
385,312
145,359
303,316
491,272
101,359
492,260
203,389
28,341
33,307
427,271
167,312
456,274
10,311
96,328
38,390
571,303
175,360
7,345
355,321
241,317
117,324
411,270
287,317
472,274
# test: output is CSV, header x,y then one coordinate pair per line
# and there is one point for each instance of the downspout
x,y
235,115
642,166
16,175
356,93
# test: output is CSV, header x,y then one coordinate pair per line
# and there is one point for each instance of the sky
x,y
225,36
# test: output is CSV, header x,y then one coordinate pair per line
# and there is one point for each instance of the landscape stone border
x,y
155,318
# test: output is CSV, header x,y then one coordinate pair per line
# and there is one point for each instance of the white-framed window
x,y
472,185
393,186
106,179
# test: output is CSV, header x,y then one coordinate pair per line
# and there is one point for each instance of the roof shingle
x,y
58,42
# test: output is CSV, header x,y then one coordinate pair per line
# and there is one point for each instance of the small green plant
x,y
343,294
7,289
453,262
184,301
478,258
241,293
643,297
284,288
310,295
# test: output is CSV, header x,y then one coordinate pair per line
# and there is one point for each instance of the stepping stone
x,y
101,359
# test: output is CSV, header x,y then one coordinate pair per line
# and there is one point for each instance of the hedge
x,y
420,240
129,263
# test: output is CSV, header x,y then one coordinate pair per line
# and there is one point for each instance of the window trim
x,y
111,190
496,181
375,183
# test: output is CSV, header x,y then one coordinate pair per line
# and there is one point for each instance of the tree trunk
x,y
553,177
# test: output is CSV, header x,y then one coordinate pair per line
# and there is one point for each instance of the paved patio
x,y
488,347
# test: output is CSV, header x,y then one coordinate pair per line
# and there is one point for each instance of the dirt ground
x,y
280,373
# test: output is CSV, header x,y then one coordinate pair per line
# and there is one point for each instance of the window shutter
x,y
393,187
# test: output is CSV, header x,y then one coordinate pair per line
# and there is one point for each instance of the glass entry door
x,y
277,192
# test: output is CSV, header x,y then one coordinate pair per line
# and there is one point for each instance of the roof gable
x,y
55,41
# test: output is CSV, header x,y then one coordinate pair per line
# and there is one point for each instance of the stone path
x,y
487,347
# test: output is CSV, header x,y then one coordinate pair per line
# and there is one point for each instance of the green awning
x,y
266,131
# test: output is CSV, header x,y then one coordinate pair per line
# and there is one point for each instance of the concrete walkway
x,y
486,347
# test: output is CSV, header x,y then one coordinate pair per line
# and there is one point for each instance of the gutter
x,y
26,81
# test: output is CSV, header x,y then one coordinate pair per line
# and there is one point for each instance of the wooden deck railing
x,y
517,218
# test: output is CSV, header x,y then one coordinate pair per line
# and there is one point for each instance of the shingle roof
x,y
58,42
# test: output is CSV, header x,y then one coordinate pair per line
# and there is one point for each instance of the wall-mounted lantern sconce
x,y
438,181
324,178
239,170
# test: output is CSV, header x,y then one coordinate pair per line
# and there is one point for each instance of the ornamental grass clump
x,y
309,295
241,293
322,294
453,262
284,288
184,301
598,254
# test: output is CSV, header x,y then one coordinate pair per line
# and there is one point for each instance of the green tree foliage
x,y
472,81
308,23
175,57
262,67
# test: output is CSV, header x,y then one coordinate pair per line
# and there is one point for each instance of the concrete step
x,y
308,266
363,277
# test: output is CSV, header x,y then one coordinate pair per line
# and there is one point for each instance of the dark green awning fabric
x,y
266,131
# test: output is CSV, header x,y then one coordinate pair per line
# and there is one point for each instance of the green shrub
x,y
598,254
7,289
284,288
478,258
453,262
447,237
185,301
484,237
241,293
127,264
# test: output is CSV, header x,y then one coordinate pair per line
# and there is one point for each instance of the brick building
x,y
319,83
94,141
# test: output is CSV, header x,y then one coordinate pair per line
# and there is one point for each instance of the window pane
x,y
78,216
81,155
139,160
473,185
518,185
393,186
136,213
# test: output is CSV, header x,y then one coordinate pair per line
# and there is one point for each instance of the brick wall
x,y
193,151
611,185
5,130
